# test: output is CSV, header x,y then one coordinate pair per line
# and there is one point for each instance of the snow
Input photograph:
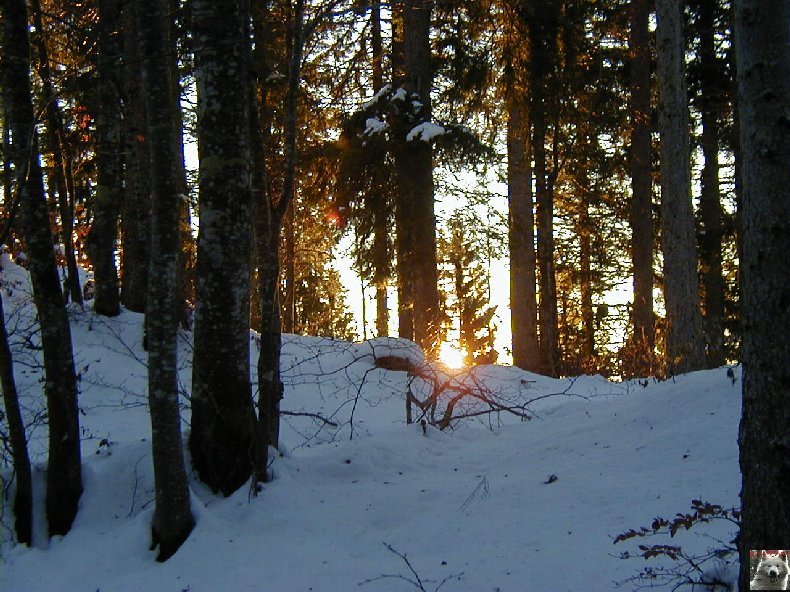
x,y
495,502
426,132
377,97
373,125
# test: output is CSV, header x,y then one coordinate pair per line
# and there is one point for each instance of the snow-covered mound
x,y
493,502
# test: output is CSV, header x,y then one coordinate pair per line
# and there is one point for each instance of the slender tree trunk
x,y
173,520
137,199
640,165
711,213
23,497
762,35
381,251
222,440
584,231
61,160
109,162
685,339
521,235
64,471
542,36
289,265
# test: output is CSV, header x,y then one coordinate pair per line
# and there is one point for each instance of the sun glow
x,y
451,356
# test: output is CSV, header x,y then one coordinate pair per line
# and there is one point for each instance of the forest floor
x,y
493,503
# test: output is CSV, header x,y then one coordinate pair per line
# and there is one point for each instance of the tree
x,y
223,436
640,165
762,38
415,218
521,217
60,170
711,105
23,497
463,251
173,520
135,222
685,343
64,471
109,162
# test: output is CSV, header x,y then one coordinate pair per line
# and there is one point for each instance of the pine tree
x,y
685,340
640,164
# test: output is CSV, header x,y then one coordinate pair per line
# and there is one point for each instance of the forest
x,y
572,188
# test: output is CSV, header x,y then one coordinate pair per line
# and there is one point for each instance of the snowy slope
x,y
476,503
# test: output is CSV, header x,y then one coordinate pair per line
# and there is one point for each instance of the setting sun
x,y
451,356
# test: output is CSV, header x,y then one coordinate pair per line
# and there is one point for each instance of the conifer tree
x,y
762,38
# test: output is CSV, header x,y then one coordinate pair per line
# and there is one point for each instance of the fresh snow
x,y
495,503
426,132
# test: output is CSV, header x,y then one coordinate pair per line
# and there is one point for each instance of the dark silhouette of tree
x,y
64,471
762,38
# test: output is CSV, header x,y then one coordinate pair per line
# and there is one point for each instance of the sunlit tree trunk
x,y
521,235
685,339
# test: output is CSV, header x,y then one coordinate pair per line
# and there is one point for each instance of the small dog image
x,y
773,571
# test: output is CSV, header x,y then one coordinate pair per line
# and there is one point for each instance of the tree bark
x,y
414,170
23,497
685,339
135,217
109,162
173,520
61,160
710,211
542,40
762,36
64,471
521,236
222,441
640,164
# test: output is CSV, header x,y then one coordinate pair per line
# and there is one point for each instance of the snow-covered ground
x,y
494,503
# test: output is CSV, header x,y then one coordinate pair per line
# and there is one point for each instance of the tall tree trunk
x,y
381,251
542,37
64,471
414,169
222,440
521,236
762,36
109,162
23,497
711,213
685,340
640,165
187,247
61,160
584,231
173,520
135,215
